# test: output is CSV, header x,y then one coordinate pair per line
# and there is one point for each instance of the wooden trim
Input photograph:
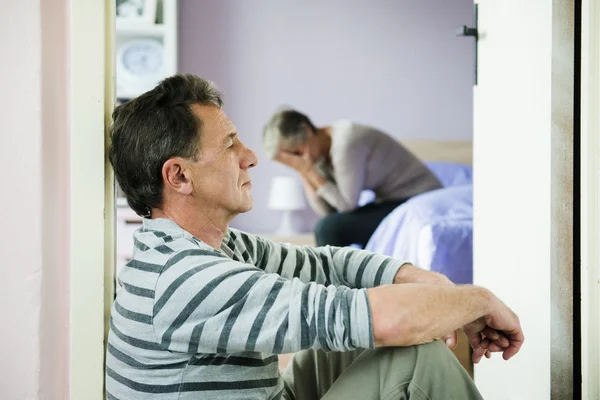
x,y
590,200
110,93
460,151
564,363
91,35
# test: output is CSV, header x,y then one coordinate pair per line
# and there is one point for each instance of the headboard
x,y
441,150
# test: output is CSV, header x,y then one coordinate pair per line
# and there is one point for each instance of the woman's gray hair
x,y
286,127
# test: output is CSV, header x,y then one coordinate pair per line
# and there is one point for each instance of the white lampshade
x,y
286,194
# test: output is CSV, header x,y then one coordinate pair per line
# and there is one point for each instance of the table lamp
x,y
286,195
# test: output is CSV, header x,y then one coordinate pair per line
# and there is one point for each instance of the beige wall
x,y
34,201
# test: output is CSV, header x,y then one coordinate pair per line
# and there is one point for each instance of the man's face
x,y
221,176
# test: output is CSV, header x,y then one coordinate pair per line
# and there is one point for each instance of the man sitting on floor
x,y
205,309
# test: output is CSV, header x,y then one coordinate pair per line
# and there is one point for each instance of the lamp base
x,y
285,227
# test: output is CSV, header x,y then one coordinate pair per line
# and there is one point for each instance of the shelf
x,y
121,202
132,93
146,30
127,96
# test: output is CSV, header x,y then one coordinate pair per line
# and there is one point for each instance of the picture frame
x,y
136,11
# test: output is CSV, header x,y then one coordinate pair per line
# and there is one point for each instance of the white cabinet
x,y
146,51
161,29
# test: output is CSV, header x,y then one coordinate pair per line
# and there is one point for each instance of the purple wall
x,y
395,64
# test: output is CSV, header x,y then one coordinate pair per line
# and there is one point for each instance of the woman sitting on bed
x,y
337,163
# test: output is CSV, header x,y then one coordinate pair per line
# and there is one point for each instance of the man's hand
x,y
300,163
498,331
408,273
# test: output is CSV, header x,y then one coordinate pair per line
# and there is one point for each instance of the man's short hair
x,y
286,127
152,128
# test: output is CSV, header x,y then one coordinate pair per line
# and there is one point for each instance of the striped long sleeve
x,y
191,319
240,308
269,297
325,265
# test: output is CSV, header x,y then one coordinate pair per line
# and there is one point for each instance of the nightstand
x,y
300,239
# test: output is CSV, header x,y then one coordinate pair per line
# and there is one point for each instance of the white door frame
x,y
590,198
92,206
523,147
91,198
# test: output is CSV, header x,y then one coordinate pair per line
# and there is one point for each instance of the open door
x,y
524,189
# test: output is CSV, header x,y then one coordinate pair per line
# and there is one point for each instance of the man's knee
x,y
436,350
429,356
437,346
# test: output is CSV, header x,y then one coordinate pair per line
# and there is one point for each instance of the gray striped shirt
x,y
191,322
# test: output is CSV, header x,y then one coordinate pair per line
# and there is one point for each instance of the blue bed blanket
x,y
433,231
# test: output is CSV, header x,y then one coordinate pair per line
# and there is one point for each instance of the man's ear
x,y
175,173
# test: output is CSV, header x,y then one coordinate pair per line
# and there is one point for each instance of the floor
x,y
462,352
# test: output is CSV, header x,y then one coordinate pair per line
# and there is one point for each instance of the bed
x,y
434,230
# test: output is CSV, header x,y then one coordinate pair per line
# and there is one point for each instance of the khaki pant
x,y
425,372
